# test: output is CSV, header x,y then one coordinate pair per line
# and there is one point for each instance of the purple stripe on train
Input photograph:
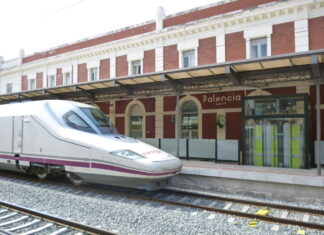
x,y
85,165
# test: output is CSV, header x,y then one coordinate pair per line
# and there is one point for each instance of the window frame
x,y
64,78
9,85
50,79
32,84
258,43
191,55
96,74
138,64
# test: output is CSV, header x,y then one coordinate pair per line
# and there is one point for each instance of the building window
x,y
136,122
51,81
67,79
136,67
9,88
188,58
189,120
93,74
258,47
32,84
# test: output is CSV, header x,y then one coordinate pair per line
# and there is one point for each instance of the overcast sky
x,y
36,25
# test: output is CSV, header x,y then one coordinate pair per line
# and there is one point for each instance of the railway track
x,y
262,211
20,220
277,214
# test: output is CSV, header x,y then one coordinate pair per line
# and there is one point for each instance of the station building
x,y
244,70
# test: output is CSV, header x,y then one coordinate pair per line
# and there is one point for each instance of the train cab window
x,y
101,121
76,122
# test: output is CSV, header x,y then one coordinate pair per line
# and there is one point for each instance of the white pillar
x,y
220,48
159,59
301,35
113,67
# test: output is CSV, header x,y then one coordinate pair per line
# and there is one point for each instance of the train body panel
x,y
45,137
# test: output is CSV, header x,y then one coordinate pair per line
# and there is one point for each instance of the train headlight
x,y
127,154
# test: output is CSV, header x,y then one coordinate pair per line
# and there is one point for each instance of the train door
x,y
17,134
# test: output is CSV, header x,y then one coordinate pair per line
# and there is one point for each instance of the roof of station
x,y
259,72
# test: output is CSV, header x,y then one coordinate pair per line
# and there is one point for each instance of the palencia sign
x,y
221,100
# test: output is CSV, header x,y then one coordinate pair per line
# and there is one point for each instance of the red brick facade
x,y
104,69
39,80
24,83
170,57
82,73
149,61
235,46
121,66
207,51
59,77
213,11
283,38
316,33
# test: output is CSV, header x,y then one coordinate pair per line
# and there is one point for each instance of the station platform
x,y
302,184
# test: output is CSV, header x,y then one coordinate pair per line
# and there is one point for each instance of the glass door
x,y
189,126
136,126
275,131
275,142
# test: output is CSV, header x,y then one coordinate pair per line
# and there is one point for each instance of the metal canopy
x,y
258,72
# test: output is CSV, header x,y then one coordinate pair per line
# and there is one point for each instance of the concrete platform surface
x,y
306,177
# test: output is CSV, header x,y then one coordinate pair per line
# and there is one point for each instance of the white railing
x,y
207,149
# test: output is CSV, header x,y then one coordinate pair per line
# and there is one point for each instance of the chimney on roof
x,y
159,18
21,53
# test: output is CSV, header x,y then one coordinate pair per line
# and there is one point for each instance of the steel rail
x,y
56,220
247,202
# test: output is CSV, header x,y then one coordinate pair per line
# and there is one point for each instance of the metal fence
x,y
322,151
204,149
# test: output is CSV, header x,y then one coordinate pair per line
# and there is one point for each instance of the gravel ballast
x,y
127,216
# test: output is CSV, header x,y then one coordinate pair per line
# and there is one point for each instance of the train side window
x,y
76,122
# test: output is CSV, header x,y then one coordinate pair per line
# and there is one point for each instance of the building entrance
x,y
189,120
275,131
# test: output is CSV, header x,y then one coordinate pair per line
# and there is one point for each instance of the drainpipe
x,y
177,123
318,128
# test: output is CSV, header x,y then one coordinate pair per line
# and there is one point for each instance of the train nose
x,y
173,164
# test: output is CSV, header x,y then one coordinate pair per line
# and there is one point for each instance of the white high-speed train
x,y
55,137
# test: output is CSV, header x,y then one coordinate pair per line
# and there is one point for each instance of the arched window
x,y
189,120
136,122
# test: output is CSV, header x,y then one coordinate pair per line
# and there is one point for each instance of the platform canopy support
x,y
317,75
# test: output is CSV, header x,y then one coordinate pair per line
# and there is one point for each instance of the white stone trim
x,y
199,112
113,67
186,45
51,71
67,69
159,59
93,64
301,35
130,67
257,32
135,56
128,115
220,48
31,76
75,72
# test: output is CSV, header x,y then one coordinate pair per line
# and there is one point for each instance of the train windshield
x,y
99,119
76,122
